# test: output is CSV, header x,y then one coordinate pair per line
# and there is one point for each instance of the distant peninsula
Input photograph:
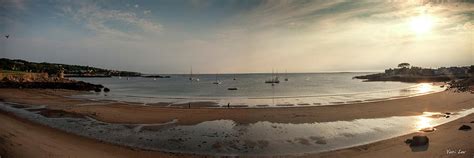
x,y
54,68
407,73
23,74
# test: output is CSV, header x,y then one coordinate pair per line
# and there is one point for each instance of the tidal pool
x,y
226,137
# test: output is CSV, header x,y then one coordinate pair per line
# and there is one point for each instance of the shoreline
x,y
445,139
114,112
271,101
56,100
17,141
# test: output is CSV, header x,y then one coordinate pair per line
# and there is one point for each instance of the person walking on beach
x,y
228,105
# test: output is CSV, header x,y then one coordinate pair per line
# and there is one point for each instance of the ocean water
x,y
301,89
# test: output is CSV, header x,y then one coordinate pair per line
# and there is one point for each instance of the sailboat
x,y
216,81
191,78
286,75
234,78
273,80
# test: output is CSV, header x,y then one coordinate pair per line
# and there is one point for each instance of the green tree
x,y
404,65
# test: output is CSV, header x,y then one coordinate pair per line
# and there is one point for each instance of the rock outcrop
x,y
43,81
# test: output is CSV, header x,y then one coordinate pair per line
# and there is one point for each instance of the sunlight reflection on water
x,y
424,87
226,137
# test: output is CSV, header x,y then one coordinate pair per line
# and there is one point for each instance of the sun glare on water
x,y
424,88
423,122
422,24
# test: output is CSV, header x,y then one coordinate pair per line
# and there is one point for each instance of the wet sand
x,y
122,112
46,142
446,141
23,139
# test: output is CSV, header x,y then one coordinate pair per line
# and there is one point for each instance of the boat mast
x,y
191,74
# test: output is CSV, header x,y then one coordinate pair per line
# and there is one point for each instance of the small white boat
x,y
191,78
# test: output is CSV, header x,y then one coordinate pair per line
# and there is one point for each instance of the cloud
x,y
17,4
303,36
327,35
146,12
468,26
136,5
99,19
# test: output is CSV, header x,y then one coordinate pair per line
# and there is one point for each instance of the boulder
x,y
465,128
97,90
106,89
419,141
408,141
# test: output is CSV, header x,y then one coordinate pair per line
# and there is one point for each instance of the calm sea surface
x,y
301,88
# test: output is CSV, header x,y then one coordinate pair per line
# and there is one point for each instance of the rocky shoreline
x,y
76,85
44,81
401,78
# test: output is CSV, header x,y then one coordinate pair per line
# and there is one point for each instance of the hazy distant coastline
x,y
407,73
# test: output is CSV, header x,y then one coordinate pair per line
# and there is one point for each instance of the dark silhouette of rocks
x,y
465,128
43,81
419,141
408,141
106,89
78,85
157,76
97,90
405,73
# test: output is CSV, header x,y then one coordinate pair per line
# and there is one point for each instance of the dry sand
x,y
36,139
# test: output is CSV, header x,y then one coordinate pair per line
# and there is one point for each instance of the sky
x,y
239,36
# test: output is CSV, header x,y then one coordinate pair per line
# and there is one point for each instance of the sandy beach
x,y
21,138
123,112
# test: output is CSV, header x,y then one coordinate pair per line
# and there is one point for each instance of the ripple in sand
x,y
303,104
239,106
285,105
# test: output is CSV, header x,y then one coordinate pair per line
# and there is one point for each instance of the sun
x,y
422,24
